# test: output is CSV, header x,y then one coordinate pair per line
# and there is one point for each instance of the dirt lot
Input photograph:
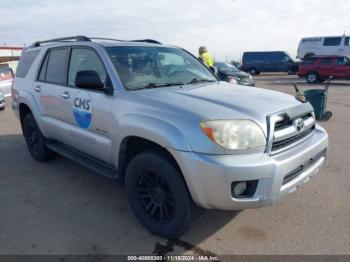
x,y
60,207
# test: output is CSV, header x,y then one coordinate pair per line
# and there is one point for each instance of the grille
x,y
283,143
287,133
300,169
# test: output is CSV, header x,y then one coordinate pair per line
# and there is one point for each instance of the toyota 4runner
x,y
155,118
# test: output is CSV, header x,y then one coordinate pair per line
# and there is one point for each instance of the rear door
x,y
51,86
325,67
88,111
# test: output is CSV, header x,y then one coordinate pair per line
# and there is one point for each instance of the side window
x,y
342,61
347,41
326,61
26,62
56,71
85,59
310,60
332,41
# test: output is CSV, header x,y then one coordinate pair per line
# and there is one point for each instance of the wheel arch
x,y
138,133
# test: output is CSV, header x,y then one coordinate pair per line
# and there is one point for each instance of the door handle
x,y
37,88
65,95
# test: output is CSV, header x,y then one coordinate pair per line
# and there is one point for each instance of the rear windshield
x,y
26,62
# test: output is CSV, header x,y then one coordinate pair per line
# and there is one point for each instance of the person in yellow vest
x,y
206,58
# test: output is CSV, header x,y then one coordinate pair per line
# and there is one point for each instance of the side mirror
x,y
88,79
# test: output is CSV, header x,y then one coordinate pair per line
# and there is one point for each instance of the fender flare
x,y
152,129
28,99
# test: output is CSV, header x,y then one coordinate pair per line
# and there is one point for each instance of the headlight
x,y
234,134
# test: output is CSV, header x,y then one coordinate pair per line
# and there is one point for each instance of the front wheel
x,y
253,72
35,140
158,194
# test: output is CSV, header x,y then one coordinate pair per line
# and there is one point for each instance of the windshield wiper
x,y
156,85
196,80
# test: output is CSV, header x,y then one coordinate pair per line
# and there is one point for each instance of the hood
x,y
219,100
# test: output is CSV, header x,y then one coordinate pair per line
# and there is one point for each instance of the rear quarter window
x,y
26,62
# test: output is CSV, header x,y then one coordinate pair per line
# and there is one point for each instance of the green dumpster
x,y
318,100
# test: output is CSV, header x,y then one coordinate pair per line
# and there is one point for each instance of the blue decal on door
x,y
82,109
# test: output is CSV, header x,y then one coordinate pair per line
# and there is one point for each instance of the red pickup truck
x,y
318,68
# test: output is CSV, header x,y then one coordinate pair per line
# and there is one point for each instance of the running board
x,y
90,162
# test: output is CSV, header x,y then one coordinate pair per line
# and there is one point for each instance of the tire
x,y
2,108
312,78
35,140
158,194
327,115
253,72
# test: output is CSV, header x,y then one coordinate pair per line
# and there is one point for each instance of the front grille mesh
x,y
281,144
285,125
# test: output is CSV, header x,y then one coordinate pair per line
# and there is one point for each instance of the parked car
x,y
318,68
235,63
6,78
2,101
155,118
329,45
230,73
275,61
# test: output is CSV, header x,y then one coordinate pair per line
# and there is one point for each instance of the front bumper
x,y
209,177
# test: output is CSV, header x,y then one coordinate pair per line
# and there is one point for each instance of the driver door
x,y
89,120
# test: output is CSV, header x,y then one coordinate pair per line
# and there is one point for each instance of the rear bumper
x,y
209,177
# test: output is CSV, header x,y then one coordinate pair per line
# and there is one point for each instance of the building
x,y
10,53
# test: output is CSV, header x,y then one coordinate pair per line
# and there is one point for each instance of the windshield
x,y
150,67
225,67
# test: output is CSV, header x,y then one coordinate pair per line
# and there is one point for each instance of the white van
x,y
324,45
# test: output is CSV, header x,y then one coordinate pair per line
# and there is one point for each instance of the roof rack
x,y
147,41
62,39
82,38
104,38
119,40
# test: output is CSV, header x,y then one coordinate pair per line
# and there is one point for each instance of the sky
x,y
226,27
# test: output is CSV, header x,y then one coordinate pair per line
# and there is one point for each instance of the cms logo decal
x,y
82,109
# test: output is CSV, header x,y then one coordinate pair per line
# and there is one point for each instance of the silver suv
x,y
155,118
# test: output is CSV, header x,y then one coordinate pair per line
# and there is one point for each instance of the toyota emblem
x,y
299,124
